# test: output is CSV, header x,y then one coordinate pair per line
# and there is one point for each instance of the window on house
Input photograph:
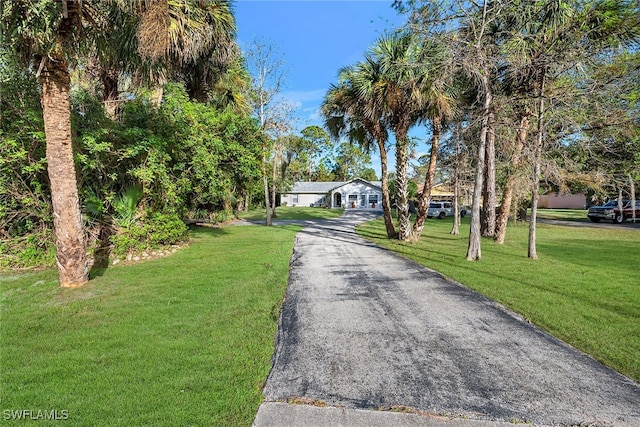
x,y
373,198
294,198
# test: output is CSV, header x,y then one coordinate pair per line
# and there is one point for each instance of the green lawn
x,y
184,340
584,289
291,212
579,215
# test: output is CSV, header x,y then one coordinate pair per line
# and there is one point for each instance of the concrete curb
x,y
277,414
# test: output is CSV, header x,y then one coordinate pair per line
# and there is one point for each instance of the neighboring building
x,y
562,201
444,192
357,193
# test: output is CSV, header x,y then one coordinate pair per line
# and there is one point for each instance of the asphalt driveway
x,y
364,328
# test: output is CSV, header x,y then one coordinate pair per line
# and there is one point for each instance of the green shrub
x,y
166,229
35,250
154,230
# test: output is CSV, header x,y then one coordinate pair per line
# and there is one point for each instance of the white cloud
x,y
316,95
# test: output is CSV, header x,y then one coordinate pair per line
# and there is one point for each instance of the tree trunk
x,y
386,200
488,226
474,252
71,243
156,96
402,159
535,197
425,197
456,207
632,188
507,195
273,186
455,230
109,78
265,181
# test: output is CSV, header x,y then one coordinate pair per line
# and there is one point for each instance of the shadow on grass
x,y
196,231
102,252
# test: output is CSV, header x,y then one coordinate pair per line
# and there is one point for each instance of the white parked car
x,y
443,209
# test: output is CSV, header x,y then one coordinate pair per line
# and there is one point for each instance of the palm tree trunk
x,y
425,197
386,200
156,95
109,78
71,244
402,164
474,252
507,195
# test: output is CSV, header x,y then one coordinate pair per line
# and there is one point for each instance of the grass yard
x,y
184,340
579,215
294,212
584,289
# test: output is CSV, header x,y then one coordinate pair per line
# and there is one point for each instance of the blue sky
x,y
315,39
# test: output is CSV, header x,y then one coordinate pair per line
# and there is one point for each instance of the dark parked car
x,y
597,213
627,212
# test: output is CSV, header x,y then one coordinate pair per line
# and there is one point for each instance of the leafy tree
x,y
314,143
25,201
554,38
350,162
526,54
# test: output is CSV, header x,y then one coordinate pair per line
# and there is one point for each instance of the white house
x,y
357,193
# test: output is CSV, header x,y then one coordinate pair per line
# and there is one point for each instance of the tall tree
x,y
402,104
351,161
476,45
353,108
553,40
264,64
466,26
314,142
192,39
47,34
439,106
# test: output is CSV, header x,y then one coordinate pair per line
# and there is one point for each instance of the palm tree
x,y
399,95
47,36
351,108
230,92
157,40
439,108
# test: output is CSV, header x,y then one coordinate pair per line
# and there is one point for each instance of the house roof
x,y
326,186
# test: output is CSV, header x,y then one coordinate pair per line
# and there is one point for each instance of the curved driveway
x,y
364,328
